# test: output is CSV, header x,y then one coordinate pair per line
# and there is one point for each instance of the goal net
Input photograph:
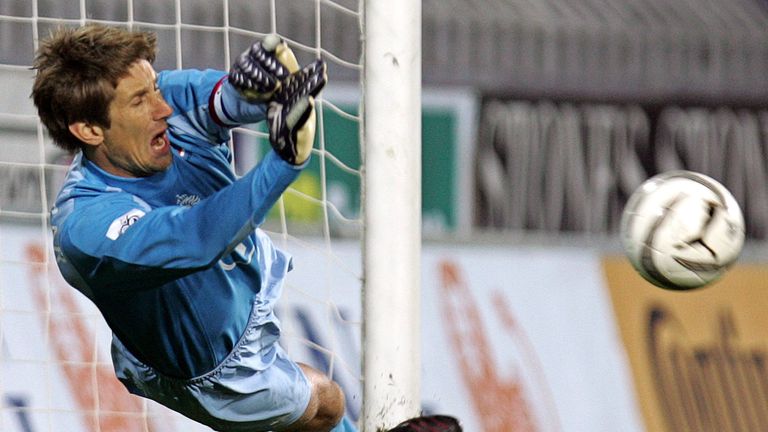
x,y
55,367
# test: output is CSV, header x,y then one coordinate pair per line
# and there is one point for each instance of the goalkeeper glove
x,y
259,71
291,113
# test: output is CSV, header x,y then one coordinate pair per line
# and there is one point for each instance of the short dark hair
x,y
77,73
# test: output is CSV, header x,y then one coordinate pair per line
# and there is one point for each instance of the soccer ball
x,y
682,230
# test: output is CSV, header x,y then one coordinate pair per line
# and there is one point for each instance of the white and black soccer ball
x,y
682,230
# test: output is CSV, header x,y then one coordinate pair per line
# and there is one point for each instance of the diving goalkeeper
x,y
152,225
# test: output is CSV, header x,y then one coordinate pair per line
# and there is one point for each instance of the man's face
x,y
136,145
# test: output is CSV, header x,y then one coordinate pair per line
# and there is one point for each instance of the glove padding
x,y
291,113
260,70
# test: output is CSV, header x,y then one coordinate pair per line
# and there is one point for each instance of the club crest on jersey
x,y
187,200
119,225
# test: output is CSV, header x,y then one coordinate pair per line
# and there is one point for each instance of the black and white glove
x,y
291,113
260,70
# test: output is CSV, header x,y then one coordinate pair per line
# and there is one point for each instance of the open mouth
x,y
160,142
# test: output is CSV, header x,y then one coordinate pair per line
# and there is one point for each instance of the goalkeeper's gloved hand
x,y
291,113
259,71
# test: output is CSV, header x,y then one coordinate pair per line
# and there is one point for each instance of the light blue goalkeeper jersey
x,y
175,261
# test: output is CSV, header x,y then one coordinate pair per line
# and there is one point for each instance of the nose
x,y
162,109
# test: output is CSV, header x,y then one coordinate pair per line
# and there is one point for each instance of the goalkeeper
x,y
152,225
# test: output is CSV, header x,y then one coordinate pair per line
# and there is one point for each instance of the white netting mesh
x,y
55,371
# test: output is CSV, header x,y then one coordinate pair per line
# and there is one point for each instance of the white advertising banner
x,y
523,339
514,339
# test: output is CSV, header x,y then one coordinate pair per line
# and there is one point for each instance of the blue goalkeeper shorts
x,y
256,388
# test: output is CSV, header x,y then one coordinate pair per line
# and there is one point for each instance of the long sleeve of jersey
x,y
118,238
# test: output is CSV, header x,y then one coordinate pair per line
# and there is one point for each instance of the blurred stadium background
x,y
540,117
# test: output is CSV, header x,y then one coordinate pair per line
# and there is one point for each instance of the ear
x,y
87,133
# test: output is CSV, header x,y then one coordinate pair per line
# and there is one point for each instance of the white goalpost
x,y
392,125
352,221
